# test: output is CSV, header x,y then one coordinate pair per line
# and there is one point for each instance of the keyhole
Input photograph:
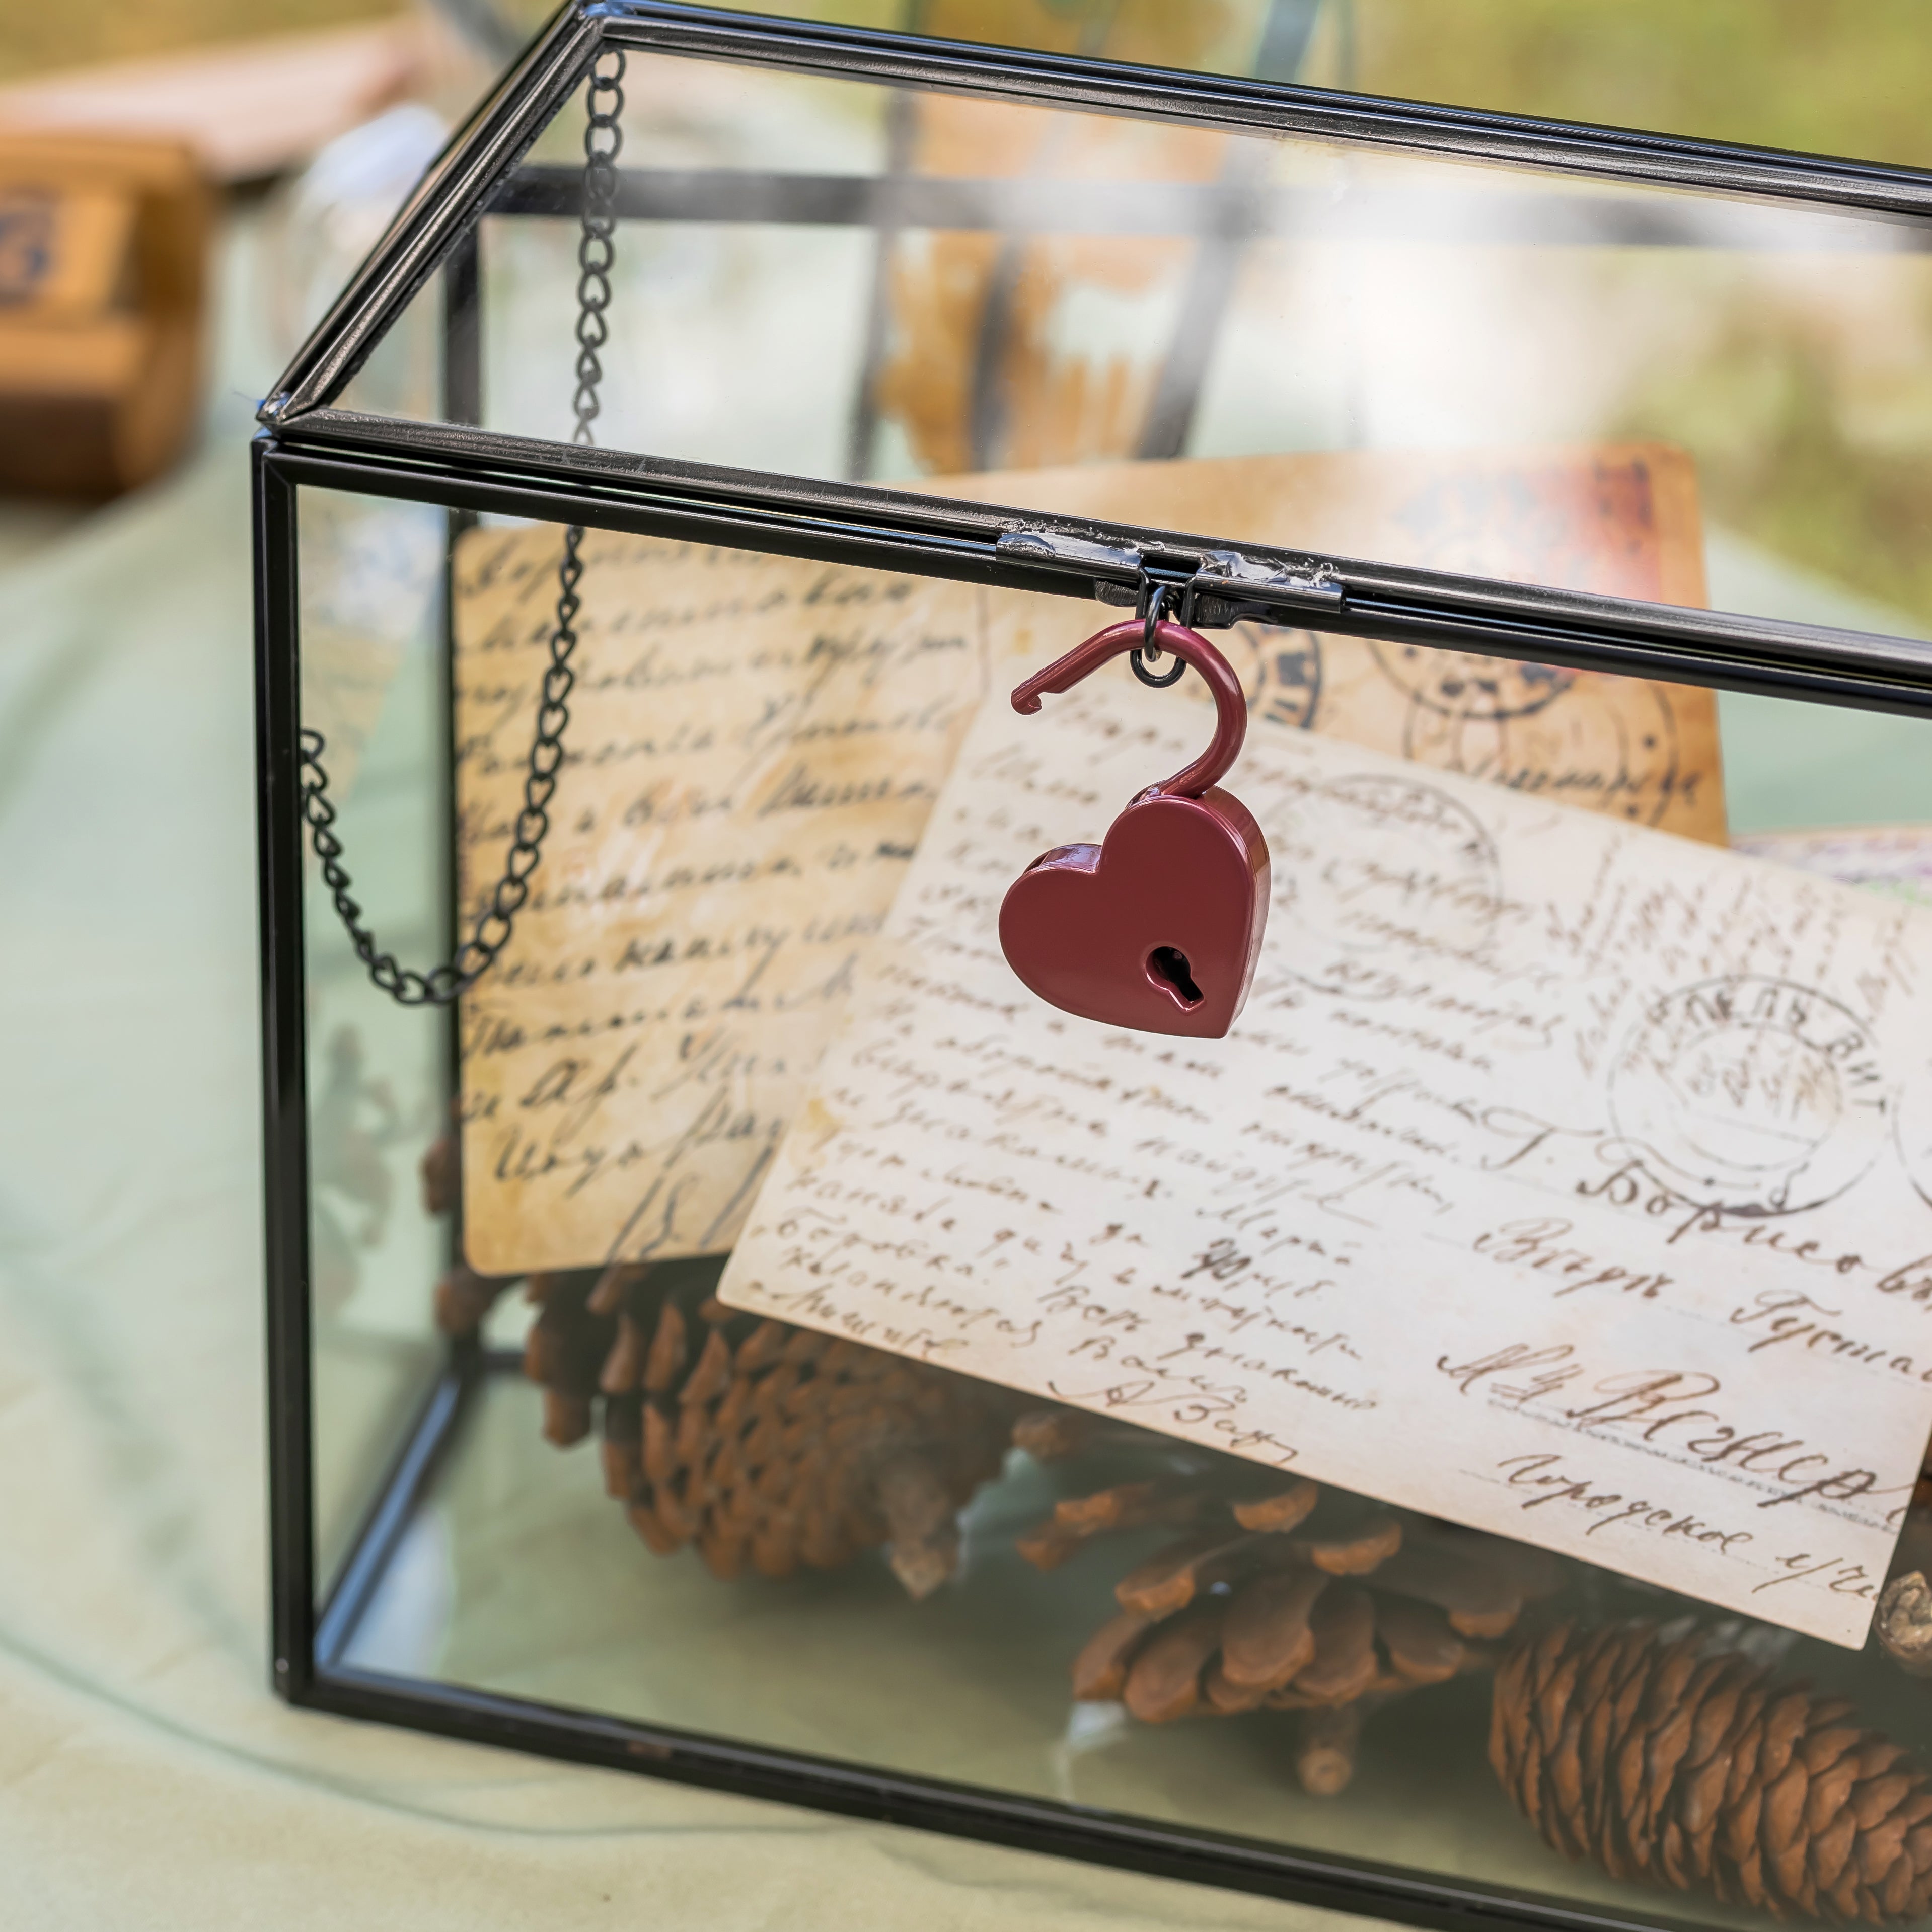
x,y
1168,968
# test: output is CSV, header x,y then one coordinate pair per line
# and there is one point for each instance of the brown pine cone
x,y
463,1298
760,1443
440,1172
1903,1628
1680,1762
763,1445
1282,1596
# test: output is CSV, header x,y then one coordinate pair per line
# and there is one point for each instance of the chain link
x,y
1146,653
596,254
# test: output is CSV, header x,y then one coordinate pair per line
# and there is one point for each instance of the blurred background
x,y
1794,364
184,184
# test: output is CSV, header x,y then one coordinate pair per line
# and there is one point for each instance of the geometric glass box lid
x,y
852,1217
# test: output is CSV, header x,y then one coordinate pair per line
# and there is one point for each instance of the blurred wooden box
x,y
104,283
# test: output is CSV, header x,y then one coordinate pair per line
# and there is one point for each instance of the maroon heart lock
x,y
1157,928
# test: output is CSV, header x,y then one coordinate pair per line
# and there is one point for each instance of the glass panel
x,y
1824,76
1074,312
1280,39
371,577
655,1508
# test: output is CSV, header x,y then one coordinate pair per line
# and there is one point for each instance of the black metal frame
x,y
307,441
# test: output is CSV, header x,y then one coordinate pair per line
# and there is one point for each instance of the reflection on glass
x,y
653,1506
1824,76
819,279
792,1525
371,577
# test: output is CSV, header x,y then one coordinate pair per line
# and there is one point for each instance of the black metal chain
x,y
596,254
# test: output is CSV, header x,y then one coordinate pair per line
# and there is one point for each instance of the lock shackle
x,y
1231,703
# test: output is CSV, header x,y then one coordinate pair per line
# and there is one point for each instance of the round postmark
x,y
1755,1095
1282,672
1463,685
1373,861
1491,718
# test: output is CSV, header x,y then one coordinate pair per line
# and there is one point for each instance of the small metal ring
x,y
1148,649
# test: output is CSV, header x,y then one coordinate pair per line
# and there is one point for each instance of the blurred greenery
x,y
1783,458
1835,77
1846,76
36,38
1805,397
1806,400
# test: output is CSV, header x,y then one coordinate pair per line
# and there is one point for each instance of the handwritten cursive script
x,y
1545,1185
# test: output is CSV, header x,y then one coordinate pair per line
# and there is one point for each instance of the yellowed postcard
x,y
1561,1178
755,743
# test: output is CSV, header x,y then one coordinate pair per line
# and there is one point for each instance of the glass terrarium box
x,y
1097,963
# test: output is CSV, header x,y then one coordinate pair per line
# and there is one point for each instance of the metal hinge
x,y
1212,588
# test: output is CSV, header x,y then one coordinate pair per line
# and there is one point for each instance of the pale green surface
x,y
1789,764
521,1579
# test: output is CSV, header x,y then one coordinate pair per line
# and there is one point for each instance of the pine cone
x,y
439,1172
1903,1628
1903,1624
1680,1761
1281,1597
464,1297
761,1443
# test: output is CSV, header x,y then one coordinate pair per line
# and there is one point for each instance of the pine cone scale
x,y
1831,1850
1878,1800
1164,1682
1703,1795
760,1444
1678,1765
751,1439
1344,1624
1267,1638
1422,1647
1336,1620
1100,1670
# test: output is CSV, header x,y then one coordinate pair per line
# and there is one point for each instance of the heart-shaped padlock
x,y
1158,929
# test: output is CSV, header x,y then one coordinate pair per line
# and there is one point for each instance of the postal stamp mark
x,y
1755,1095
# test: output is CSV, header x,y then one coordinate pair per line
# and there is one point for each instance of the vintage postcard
x,y
755,746
1561,1178
755,743
1621,520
